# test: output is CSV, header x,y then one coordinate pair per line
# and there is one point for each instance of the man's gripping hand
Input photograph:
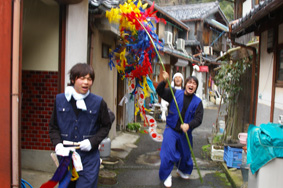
x,y
62,151
185,127
85,145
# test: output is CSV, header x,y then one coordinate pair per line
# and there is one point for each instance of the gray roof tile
x,y
190,11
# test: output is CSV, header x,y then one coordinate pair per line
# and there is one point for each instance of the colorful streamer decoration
x,y
139,46
65,173
133,56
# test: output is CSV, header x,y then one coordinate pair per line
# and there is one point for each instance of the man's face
x,y
83,84
190,87
178,81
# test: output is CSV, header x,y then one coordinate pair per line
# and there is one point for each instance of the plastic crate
x,y
233,156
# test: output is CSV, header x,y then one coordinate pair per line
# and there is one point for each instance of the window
x,y
105,50
270,40
279,68
156,71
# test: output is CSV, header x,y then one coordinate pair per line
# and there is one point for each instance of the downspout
x,y
91,47
15,94
253,49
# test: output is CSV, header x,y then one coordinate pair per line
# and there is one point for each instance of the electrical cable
x,y
24,182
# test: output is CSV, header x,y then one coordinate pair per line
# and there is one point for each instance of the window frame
x,y
105,50
278,83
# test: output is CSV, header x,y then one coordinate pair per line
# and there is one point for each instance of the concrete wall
x,y
165,59
40,36
76,36
105,83
161,29
40,58
37,160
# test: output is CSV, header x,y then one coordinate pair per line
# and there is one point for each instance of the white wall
x,y
266,72
200,76
40,36
265,84
279,98
247,6
76,36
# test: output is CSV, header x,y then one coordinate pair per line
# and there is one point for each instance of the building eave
x,y
176,53
251,21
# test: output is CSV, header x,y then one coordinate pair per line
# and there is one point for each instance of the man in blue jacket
x,y
175,149
82,117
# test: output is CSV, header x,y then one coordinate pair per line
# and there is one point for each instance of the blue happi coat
x,y
175,148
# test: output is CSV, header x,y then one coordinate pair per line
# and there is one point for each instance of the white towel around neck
x,y
70,91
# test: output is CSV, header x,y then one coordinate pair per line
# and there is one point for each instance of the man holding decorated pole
x,y
175,147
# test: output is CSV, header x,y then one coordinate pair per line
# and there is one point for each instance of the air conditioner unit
x,y
208,50
168,38
180,44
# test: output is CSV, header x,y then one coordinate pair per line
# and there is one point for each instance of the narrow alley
x,y
140,167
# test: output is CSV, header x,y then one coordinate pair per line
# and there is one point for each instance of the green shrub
x,y
133,126
205,151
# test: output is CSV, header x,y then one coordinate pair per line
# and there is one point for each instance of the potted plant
x,y
133,127
217,148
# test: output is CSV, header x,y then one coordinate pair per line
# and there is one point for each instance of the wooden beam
x,y
257,81
274,74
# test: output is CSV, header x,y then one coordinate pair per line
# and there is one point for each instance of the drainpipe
x,y
15,94
253,49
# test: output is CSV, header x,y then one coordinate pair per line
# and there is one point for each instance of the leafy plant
x,y
228,78
217,139
133,126
205,151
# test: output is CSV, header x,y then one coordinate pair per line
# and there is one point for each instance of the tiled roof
x,y
96,5
99,6
249,22
191,11
167,14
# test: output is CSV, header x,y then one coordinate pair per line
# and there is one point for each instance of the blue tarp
x,y
264,143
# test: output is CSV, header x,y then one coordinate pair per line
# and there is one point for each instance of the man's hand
x,y
62,151
85,145
165,76
185,127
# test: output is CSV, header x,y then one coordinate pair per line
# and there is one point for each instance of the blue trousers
x,y
175,150
88,178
